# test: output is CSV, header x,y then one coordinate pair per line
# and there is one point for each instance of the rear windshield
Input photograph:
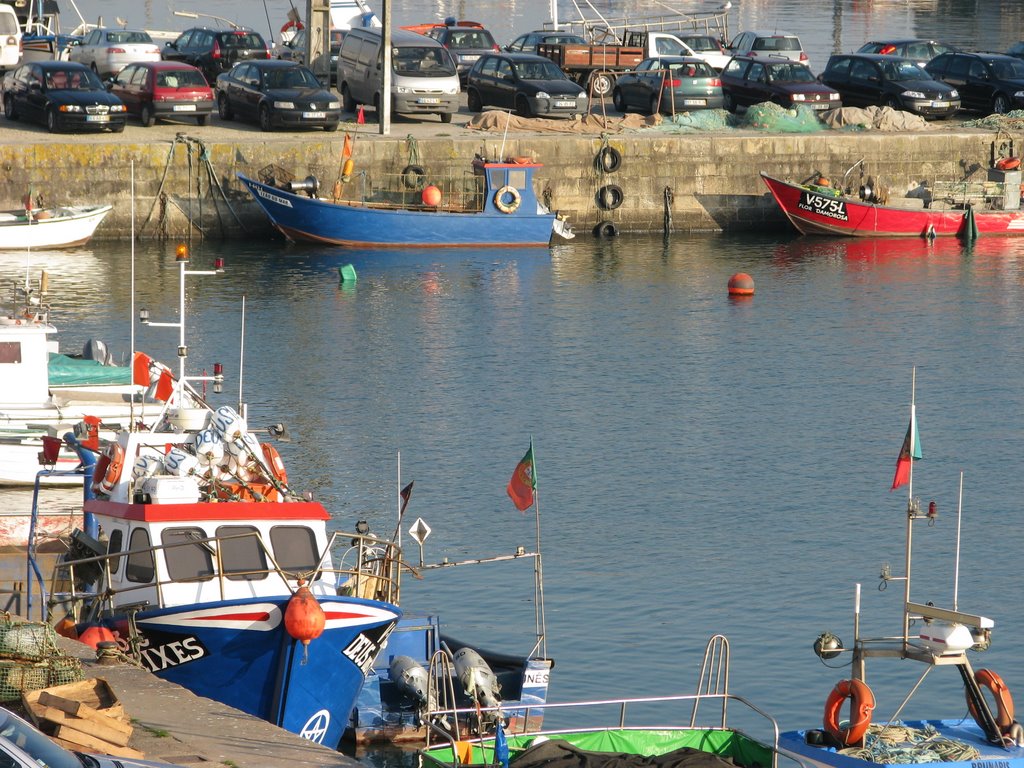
x,y
179,78
8,24
790,73
472,38
702,44
421,61
128,37
242,40
777,44
692,69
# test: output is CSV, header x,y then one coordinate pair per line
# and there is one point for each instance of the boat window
x,y
497,178
241,556
10,351
188,557
517,179
294,548
139,567
113,547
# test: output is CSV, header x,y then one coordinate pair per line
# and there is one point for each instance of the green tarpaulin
x,y
77,372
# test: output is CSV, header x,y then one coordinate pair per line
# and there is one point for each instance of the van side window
x,y
367,49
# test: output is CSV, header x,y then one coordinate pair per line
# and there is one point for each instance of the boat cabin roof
x,y
208,512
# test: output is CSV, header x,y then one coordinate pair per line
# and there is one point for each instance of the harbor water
x,y
705,464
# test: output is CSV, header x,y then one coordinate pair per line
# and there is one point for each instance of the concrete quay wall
x,y
700,182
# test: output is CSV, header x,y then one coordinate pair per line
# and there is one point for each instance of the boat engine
x,y
310,185
412,680
477,679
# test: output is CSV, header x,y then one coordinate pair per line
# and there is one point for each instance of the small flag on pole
x,y
524,482
140,369
165,386
910,450
406,494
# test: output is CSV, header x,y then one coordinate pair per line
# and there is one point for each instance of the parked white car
x,y
10,38
107,51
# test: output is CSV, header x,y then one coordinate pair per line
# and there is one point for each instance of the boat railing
x,y
461,193
599,29
438,734
86,583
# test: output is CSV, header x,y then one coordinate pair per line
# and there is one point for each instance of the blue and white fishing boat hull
x,y
511,216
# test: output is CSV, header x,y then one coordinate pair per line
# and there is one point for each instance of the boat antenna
x,y
131,303
956,561
241,363
538,568
269,25
508,119
910,508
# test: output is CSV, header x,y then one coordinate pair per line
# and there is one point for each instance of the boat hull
x,y
238,652
813,213
318,221
74,226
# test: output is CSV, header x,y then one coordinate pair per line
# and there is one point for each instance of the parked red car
x,y
163,89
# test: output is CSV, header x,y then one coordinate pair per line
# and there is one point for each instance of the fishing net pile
x,y
1011,121
30,659
899,743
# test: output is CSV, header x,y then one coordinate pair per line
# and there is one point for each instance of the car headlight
x,y
117,108
799,97
402,89
542,95
833,97
284,105
953,94
334,105
913,95
450,90
1019,95
70,108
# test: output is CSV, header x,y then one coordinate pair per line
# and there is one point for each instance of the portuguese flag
x,y
524,482
910,450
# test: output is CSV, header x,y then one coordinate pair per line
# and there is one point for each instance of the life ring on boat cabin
x,y
1008,163
291,26
862,703
507,206
986,678
108,469
273,459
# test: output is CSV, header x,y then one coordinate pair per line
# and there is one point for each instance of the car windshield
x,y
290,77
469,39
691,69
790,73
128,37
421,61
1009,70
241,40
776,44
903,70
702,44
72,79
538,70
180,78
28,739
562,39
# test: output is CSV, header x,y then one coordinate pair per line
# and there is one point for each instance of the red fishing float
x,y
741,284
431,195
304,618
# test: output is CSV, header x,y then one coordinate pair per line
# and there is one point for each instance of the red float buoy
x,y
741,284
304,618
431,195
94,635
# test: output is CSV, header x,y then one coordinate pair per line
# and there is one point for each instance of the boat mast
x,y
911,513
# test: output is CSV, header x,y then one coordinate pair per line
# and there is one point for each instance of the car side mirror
x,y
35,85
874,79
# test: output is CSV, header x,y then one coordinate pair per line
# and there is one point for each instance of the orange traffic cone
x,y
360,116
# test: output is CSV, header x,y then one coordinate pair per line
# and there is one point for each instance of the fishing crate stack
x,y
30,659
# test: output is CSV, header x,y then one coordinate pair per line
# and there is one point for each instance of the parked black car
x,y
916,49
872,79
748,80
466,44
531,85
987,82
277,94
531,41
215,50
63,96
668,84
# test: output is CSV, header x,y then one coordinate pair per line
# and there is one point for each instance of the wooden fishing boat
x,y
56,227
957,209
495,205
937,637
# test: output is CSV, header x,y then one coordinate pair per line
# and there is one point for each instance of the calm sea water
x,y
705,464
824,27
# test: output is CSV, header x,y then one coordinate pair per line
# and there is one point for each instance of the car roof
x,y
60,65
775,33
900,40
770,58
678,59
517,56
881,57
271,63
162,65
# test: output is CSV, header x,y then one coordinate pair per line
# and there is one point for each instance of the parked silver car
x,y
108,51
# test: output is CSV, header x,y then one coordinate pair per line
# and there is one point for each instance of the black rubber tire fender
x,y
605,229
413,176
610,197
608,159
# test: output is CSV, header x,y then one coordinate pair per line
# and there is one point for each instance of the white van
x,y
10,38
424,79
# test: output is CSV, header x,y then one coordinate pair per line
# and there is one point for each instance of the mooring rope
x,y
899,743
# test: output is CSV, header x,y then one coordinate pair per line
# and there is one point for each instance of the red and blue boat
x,y
494,205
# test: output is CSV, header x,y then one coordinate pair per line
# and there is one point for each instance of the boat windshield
x,y
422,61
897,71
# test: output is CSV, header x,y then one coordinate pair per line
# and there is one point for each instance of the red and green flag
x,y
524,482
911,450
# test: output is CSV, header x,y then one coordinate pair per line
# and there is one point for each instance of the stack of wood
x,y
84,716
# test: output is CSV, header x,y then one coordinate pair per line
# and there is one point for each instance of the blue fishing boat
x,y
493,205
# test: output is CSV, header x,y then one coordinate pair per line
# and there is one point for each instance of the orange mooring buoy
x,y
741,284
304,618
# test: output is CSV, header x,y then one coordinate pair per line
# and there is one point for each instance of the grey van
x,y
424,79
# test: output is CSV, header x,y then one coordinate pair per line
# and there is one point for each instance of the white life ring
x,y
512,205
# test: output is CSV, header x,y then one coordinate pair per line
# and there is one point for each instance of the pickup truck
x,y
593,66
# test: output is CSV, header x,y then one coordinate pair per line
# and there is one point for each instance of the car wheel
x,y
619,101
601,84
893,102
446,117
331,127
728,102
9,111
655,106
347,102
1000,104
224,108
265,118
523,107
51,122
118,128
202,119
473,100
146,115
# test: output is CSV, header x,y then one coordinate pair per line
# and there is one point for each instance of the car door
x,y
955,75
86,53
175,51
865,84
649,76
755,85
240,79
981,86
483,79
121,86
503,93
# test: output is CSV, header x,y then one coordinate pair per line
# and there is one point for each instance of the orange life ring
x,y
862,703
290,25
1008,163
986,678
108,469
273,459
